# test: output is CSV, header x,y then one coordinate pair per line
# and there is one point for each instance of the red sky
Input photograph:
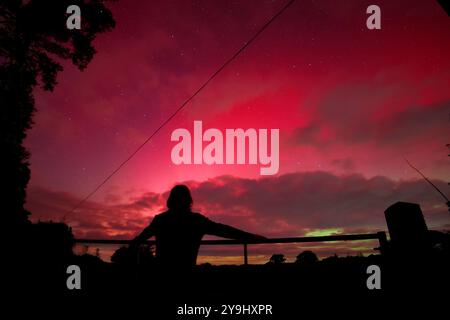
x,y
349,103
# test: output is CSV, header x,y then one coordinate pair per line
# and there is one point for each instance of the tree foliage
x,y
34,41
277,259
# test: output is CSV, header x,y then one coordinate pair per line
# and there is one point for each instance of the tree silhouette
x,y
34,40
277,259
306,257
142,255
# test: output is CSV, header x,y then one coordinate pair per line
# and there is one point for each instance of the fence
x,y
380,236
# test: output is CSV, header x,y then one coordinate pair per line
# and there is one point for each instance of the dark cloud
x,y
293,202
287,205
93,219
346,164
373,113
418,121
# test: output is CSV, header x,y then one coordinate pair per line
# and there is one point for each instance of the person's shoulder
x,y
160,216
199,216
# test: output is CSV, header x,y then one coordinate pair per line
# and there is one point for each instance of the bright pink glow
x,y
349,102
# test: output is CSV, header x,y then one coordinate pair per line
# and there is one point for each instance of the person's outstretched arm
x,y
148,232
225,231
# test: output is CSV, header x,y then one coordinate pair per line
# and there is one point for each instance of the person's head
x,y
180,198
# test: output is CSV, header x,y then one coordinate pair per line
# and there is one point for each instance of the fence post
x,y
245,254
383,241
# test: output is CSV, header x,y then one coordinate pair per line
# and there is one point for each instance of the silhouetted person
x,y
179,231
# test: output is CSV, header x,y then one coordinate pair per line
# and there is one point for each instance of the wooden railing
x,y
380,236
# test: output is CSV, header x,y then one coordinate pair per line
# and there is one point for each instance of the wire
x,y
224,65
427,180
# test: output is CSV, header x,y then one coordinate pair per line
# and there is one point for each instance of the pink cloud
x,y
286,205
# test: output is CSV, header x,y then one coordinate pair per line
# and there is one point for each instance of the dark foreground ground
x,y
35,276
332,286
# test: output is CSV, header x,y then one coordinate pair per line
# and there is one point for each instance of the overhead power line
x,y
181,107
